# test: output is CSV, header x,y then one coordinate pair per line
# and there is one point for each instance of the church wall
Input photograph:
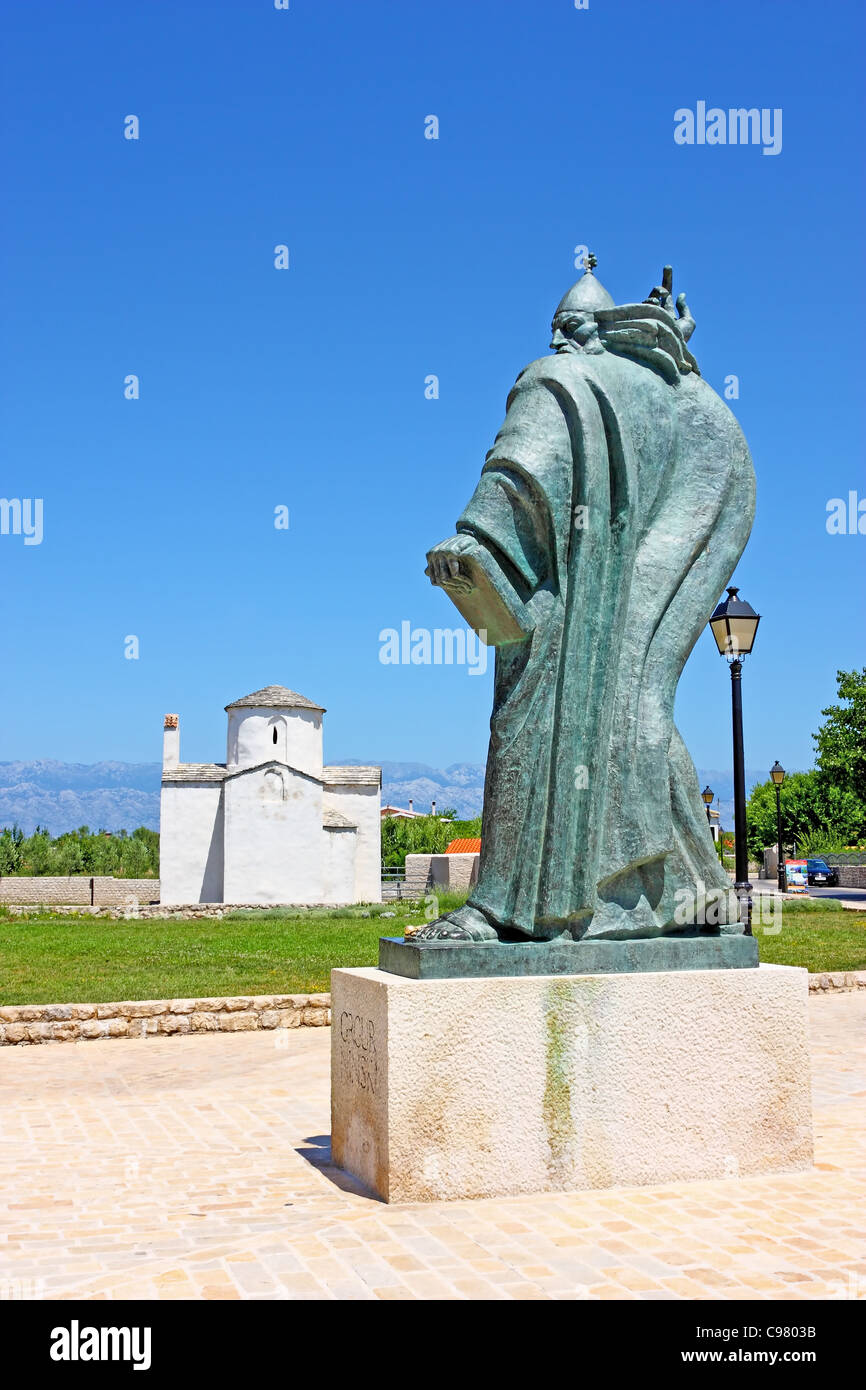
x,y
273,838
299,738
360,803
191,843
340,847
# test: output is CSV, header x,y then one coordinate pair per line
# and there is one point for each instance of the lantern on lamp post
x,y
707,797
734,625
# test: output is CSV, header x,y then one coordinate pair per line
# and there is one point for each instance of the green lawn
x,y
816,935
47,959
52,959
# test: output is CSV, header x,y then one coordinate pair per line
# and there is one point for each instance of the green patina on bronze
x,y
454,959
556,1104
611,512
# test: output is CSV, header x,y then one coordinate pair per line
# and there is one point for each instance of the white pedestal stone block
x,y
447,1089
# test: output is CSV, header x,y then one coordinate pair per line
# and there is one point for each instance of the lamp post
x,y
707,798
733,625
777,774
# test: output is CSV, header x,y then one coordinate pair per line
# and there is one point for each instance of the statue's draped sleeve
x,y
520,507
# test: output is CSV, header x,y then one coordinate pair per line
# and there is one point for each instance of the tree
x,y
841,740
36,853
11,842
421,835
134,858
150,838
811,806
66,856
825,807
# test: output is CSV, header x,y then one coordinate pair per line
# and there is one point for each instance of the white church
x,y
271,824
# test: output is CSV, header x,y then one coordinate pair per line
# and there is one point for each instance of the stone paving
x,y
198,1167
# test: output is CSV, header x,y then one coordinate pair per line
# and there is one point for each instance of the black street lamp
x,y
777,774
733,625
707,798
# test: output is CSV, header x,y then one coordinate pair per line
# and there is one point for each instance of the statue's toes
x,y
466,924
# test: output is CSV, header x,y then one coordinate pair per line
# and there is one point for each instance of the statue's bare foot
x,y
464,924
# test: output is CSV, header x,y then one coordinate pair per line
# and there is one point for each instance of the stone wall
x,y
837,980
417,875
449,873
77,890
163,912
116,892
454,873
143,1018
45,890
23,1024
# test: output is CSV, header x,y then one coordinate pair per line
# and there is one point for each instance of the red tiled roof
x,y
464,847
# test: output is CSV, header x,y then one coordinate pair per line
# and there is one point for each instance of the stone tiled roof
x,y
235,772
364,776
195,772
217,772
332,820
275,697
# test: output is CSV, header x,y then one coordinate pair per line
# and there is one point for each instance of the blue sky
x,y
408,257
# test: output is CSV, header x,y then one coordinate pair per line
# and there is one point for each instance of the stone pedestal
x,y
447,1089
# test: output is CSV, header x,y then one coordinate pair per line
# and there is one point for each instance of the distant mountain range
x,y
460,786
63,796
122,796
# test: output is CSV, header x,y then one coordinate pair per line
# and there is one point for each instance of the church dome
x,y
274,697
277,725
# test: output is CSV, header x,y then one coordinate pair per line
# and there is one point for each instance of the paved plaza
x,y
198,1167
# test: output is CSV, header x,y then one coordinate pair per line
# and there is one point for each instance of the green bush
x,y
80,851
815,843
803,904
422,835
823,810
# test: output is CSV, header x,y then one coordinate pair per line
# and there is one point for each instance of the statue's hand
x,y
662,297
686,321
662,294
443,564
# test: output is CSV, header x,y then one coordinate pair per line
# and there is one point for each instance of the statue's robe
x,y
616,501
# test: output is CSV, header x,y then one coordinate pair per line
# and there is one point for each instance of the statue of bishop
x,y
610,513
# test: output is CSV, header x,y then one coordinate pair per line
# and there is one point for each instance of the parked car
x,y
820,874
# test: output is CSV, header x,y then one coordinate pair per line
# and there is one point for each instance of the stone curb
x,y
836,980
168,912
21,1024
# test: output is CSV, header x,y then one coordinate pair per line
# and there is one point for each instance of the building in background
x,y
271,824
409,813
468,845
